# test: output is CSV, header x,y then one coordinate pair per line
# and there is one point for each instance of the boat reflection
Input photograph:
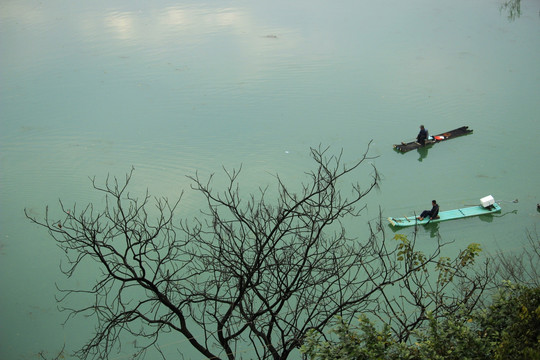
x,y
432,228
486,218
423,151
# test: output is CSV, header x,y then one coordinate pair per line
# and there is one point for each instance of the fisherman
x,y
433,213
422,136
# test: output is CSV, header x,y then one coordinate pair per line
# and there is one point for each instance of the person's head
x,y
422,127
434,202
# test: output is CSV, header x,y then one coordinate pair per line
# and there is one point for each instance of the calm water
x,y
93,88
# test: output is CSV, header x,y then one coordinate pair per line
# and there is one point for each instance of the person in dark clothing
x,y
433,213
422,136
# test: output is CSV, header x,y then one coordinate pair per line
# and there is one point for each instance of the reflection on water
x,y
423,152
486,218
433,229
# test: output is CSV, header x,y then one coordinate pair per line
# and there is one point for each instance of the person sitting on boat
x,y
433,213
422,136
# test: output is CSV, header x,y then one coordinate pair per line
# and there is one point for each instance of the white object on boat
x,y
487,201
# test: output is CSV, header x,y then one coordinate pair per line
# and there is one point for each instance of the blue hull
x,y
445,215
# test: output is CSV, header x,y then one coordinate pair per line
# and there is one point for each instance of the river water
x,y
93,88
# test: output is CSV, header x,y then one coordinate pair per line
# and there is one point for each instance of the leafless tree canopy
x,y
248,276
520,268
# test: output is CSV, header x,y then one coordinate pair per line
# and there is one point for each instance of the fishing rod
x,y
507,201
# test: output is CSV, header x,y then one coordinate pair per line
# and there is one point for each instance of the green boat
x,y
446,215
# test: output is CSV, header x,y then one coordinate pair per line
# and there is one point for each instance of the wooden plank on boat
x,y
445,215
405,147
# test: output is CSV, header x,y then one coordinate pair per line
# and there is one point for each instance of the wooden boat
x,y
446,215
404,147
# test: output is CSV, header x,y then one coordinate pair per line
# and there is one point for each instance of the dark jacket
x,y
434,211
422,136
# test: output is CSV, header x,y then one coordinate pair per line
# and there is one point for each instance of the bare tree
x,y
520,268
251,273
